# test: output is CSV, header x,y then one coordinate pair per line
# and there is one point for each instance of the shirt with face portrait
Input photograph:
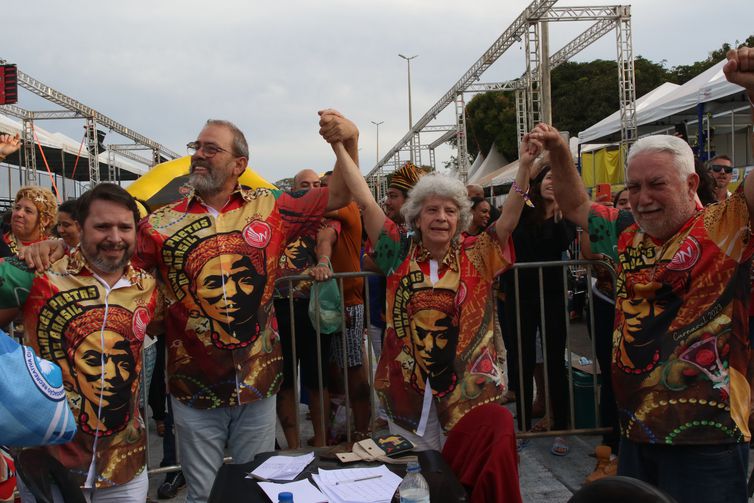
x,y
439,334
218,270
681,351
96,338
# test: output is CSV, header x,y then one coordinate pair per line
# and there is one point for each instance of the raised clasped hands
x,y
335,128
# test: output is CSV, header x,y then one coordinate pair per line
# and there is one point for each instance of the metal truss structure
x,y
532,87
75,110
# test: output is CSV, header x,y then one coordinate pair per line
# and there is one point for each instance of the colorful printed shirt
x,y
681,351
95,334
439,342
299,256
219,270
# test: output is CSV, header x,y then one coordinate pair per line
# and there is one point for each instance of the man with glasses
x,y
721,169
224,372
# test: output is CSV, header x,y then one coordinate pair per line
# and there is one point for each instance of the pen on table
x,y
358,480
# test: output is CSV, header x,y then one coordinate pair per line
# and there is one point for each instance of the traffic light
x,y
8,84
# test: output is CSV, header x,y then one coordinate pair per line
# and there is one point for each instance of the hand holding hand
x,y
548,136
335,128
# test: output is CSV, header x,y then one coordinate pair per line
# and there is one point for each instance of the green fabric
x,y
15,282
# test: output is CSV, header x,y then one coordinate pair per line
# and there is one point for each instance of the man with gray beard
x,y
217,252
682,359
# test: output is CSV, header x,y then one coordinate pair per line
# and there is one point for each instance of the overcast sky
x,y
163,67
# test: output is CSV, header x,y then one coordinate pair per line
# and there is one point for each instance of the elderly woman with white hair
x,y
439,358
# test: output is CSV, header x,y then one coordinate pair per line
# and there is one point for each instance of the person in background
x,y
721,169
67,226
480,216
302,256
35,211
346,258
707,184
542,235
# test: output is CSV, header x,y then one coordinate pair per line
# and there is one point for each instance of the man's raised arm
x,y
566,182
740,70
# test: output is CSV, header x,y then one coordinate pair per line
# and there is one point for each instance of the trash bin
x,y
583,398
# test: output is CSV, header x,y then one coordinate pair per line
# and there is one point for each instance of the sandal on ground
x,y
522,443
559,447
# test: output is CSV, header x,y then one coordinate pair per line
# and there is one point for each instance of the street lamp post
x,y
410,119
378,141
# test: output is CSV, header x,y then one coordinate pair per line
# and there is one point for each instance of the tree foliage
x,y
582,94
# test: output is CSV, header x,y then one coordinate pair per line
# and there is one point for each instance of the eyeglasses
x,y
719,167
209,149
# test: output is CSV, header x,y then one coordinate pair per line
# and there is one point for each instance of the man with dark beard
x,y
89,314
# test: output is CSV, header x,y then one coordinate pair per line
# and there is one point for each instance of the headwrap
x,y
406,177
222,244
119,320
44,201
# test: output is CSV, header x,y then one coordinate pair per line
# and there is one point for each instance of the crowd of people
x,y
206,276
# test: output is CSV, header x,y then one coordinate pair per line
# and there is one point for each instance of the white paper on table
x,y
281,467
372,490
303,491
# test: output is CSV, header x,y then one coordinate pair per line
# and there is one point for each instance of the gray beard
x,y
206,185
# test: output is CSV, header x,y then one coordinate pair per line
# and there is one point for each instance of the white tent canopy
x,y
67,144
654,108
478,160
611,123
492,162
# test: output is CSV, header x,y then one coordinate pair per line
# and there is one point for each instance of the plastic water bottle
x,y
414,488
285,497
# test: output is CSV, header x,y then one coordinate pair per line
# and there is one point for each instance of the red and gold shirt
x,y
219,270
681,350
95,334
440,330
299,257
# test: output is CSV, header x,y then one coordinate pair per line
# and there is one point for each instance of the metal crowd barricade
x,y
565,266
290,280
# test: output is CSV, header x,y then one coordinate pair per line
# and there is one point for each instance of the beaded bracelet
x,y
523,193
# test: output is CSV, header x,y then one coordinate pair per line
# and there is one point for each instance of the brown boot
x,y
607,464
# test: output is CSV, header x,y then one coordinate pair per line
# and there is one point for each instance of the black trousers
x,y
553,332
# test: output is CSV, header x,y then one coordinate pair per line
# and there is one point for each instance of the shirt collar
x,y
423,255
193,196
77,265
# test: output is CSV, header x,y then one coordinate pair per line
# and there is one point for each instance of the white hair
x,y
437,185
683,156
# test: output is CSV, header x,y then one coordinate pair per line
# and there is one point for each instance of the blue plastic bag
x,y
33,405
